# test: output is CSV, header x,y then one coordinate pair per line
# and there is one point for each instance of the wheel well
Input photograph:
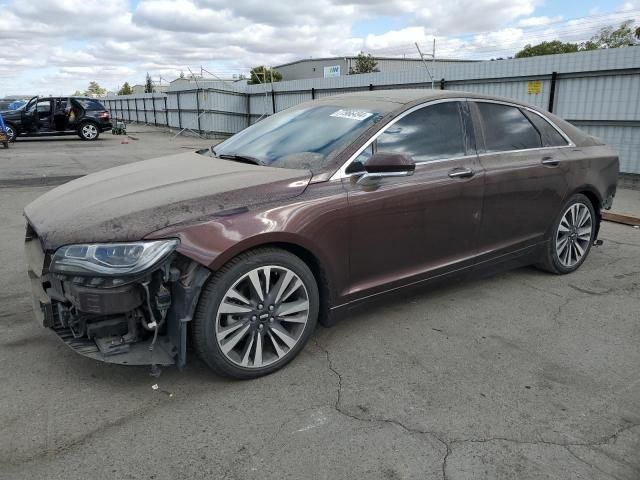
x,y
593,198
595,201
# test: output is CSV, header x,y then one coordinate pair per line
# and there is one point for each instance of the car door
x,y
76,112
61,114
30,116
406,229
524,182
44,109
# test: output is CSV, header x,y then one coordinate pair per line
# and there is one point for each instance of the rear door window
x,y
430,133
550,136
90,104
507,128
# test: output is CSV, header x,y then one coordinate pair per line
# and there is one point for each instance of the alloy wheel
x,y
10,133
574,234
89,131
262,317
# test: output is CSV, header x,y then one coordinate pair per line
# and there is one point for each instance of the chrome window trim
x,y
535,112
341,172
484,154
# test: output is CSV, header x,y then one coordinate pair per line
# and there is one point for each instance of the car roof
x,y
384,101
395,101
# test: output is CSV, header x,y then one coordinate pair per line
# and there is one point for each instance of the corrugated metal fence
x,y
598,91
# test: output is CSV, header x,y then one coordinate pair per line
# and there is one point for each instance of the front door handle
x,y
550,161
461,173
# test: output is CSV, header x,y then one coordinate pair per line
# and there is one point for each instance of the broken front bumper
x,y
106,324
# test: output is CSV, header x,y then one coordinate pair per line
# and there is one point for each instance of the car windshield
x,y
302,138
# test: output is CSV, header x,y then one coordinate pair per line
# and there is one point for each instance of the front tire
x,y
88,131
256,313
12,132
572,236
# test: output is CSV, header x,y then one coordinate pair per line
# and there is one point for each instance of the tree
x,y
547,48
610,37
126,89
263,74
607,37
364,64
77,93
181,74
95,90
148,84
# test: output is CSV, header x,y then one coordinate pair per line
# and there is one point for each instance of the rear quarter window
x,y
90,104
550,136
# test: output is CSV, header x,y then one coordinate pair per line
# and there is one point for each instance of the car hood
x,y
129,202
10,114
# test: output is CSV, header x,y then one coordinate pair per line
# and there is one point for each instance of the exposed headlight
x,y
120,259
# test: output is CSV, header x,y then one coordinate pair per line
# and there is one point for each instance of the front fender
x,y
316,222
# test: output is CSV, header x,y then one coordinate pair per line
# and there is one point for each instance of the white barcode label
x,y
358,115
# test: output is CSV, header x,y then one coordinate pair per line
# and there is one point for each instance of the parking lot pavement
x,y
55,160
627,202
522,375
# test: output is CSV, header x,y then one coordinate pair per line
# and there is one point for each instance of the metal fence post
x,y
552,91
166,113
144,108
313,93
273,99
153,105
248,96
179,112
198,109
129,108
442,84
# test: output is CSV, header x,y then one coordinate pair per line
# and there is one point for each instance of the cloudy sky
x,y
58,46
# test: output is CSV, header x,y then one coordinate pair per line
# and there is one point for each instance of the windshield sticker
x,y
358,115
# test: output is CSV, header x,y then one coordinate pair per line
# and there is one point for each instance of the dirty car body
x,y
390,189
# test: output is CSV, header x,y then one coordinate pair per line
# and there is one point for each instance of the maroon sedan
x,y
240,250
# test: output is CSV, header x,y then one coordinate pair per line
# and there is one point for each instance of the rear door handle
x,y
461,173
550,161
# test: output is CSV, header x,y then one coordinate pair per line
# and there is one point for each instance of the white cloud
x,y
61,45
538,21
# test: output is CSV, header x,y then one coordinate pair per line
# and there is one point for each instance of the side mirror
x,y
384,164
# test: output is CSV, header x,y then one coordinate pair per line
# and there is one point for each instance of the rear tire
x,y
256,313
88,131
572,236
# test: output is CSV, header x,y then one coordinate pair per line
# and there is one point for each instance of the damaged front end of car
x,y
126,302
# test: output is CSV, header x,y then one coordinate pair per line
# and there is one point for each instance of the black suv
x,y
44,116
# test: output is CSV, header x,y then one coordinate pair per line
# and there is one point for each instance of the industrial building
x,y
339,66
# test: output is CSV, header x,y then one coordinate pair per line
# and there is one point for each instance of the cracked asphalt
x,y
523,375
